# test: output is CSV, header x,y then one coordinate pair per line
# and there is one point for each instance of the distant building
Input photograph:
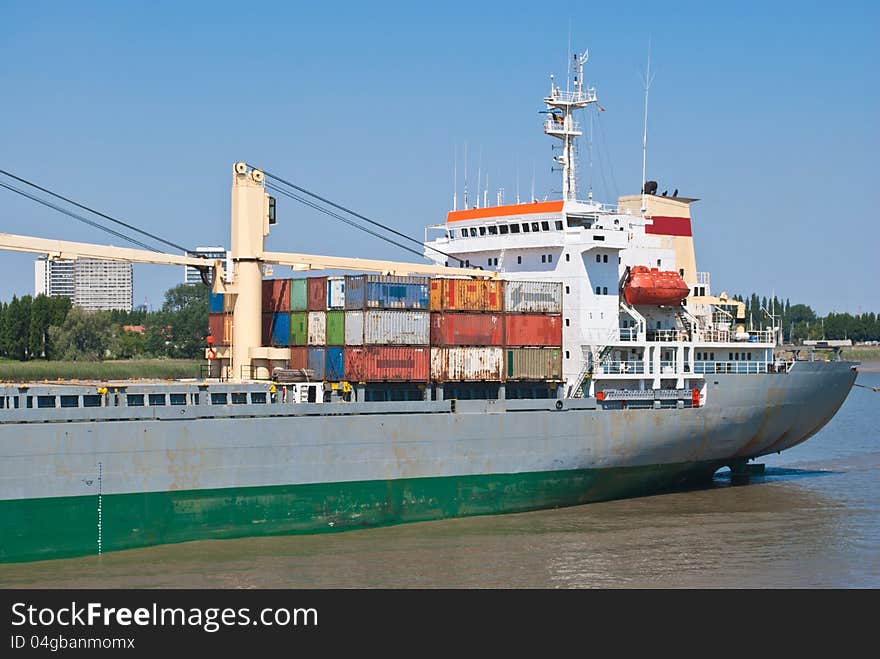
x,y
192,275
91,284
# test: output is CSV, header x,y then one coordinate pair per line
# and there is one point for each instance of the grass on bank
x,y
16,371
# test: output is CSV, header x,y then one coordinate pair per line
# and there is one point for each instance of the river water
x,y
812,521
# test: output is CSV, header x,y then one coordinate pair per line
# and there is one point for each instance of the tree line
x,y
51,328
800,321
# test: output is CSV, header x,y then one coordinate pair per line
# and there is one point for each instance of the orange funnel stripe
x,y
504,211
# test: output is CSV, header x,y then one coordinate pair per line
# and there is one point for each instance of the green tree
x,y
17,327
183,322
38,335
85,336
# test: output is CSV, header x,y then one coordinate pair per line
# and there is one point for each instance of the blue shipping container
x,y
281,329
335,365
386,292
317,357
215,303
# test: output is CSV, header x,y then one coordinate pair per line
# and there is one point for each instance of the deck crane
x,y
245,357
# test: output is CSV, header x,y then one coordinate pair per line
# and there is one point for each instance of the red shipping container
x,y
467,329
266,330
220,328
387,363
299,357
276,295
532,330
317,294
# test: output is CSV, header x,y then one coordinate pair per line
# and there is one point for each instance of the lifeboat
x,y
654,287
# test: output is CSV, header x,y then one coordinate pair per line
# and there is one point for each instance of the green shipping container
x,y
335,328
299,299
299,327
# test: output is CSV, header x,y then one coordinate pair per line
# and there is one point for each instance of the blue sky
x,y
768,112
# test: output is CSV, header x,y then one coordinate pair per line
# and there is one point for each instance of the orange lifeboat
x,y
655,287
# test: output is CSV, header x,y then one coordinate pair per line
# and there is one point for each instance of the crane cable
x,y
326,211
92,210
357,215
78,217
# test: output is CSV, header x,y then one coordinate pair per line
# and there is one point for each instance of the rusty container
x,y
533,296
532,330
467,294
220,328
533,363
266,329
299,357
276,295
484,364
387,364
317,292
467,329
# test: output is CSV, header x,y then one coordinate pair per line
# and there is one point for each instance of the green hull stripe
x,y
36,529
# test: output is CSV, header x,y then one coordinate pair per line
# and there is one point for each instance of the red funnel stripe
x,y
670,226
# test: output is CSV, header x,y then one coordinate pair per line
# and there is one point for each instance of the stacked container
x,y
533,330
467,330
276,312
220,318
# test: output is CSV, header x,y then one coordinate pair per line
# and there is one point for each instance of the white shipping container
x,y
336,292
398,328
467,364
354,328
317,335
533,296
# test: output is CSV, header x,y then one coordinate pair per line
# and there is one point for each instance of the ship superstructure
x,y
594,249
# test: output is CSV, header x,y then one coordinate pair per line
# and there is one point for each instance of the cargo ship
x,y
548,353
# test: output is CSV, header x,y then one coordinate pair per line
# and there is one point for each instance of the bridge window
x,y
568,257
156,399
218,399
604,290
549,258
545,226
514,228
482,231
559,225
239,398
525,227
567,322
604,258
70,401
134,400
535,226
493,230
519,259
91,400
658,263
568,289
473,232
258,397
45,401
543,258
598,290
503,229
567,356
177,399
464,233
598,258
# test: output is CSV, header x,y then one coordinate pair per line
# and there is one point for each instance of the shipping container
x,y
299,294
299,357
533,296
281,329
266,329
335,328
534,363
336,292
532,330
335,368
299,328
467,295
276,295
317,360
386,292
317,292
397,328
467,329
220,328
467,364
387,363
229,302
354,328
215,303
317,328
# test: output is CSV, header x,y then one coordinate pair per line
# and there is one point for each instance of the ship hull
x,y
69,489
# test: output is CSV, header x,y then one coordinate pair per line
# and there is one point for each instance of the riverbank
x,y
15,371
